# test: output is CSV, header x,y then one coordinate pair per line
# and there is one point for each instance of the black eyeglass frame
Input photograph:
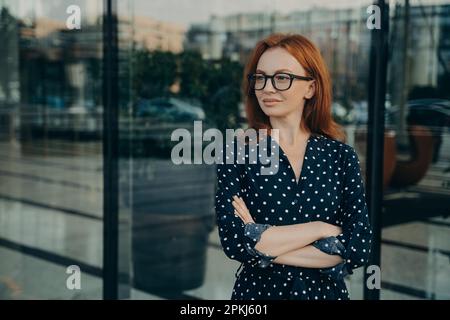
x,y
291,77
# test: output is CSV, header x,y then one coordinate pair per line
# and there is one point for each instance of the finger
x,y
237,210
235,205
238,214
236,198
240,203
243,205
241,216
244,217
243,210
238,206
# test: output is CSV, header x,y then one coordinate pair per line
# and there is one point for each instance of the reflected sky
x,y
189,11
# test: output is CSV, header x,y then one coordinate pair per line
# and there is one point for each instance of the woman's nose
x,y
269,86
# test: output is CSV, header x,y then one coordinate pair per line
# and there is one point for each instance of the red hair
x,y
317,111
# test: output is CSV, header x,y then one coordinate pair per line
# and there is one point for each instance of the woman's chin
x,y
273,112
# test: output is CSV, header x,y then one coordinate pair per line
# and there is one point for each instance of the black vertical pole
x,y
375,136
110,151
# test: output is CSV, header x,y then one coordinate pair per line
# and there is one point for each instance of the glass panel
x,y
186,65
416,224
125,143
51,150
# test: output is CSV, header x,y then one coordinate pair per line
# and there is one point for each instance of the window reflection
x,y
50,129
417,115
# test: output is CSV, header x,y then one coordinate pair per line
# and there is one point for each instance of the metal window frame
x,y
375,136
110,151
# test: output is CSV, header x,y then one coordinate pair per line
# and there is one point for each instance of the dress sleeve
x,y
238,240
354,243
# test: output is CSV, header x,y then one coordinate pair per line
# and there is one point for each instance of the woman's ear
x,y
311,90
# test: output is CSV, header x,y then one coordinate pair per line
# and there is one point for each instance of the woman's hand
x,y
240,209
329,230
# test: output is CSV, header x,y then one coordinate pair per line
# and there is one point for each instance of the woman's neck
x,y
290,132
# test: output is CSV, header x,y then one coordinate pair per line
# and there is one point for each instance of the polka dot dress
x,y
330,189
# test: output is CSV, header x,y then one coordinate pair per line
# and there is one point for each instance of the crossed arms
x,y
292,244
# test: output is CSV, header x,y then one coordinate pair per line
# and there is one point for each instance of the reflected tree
x,y
153,73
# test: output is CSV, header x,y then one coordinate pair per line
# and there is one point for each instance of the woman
x,y
299,231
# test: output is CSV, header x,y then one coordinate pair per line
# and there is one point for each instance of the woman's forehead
x,y
277,59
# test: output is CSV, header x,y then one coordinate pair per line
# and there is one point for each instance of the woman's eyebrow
x,y
280,70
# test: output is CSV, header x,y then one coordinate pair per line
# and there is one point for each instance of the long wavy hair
x,y
317,111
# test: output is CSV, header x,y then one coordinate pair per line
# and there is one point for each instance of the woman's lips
x,y
270,102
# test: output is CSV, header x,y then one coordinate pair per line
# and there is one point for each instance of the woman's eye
x,y
258,77
282,77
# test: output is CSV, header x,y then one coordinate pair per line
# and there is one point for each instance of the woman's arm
x,y
356,234
308,257
278,240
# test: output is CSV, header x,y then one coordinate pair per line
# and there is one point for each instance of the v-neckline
x,y
303,160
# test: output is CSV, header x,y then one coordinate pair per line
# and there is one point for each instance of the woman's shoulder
x,y
330,142
334,146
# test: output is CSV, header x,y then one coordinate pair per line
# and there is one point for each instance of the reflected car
x,y
169,110
156,119
434,113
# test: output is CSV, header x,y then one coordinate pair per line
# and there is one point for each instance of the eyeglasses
x,y
280,81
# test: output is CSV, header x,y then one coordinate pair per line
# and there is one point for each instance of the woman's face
x,y
275,103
